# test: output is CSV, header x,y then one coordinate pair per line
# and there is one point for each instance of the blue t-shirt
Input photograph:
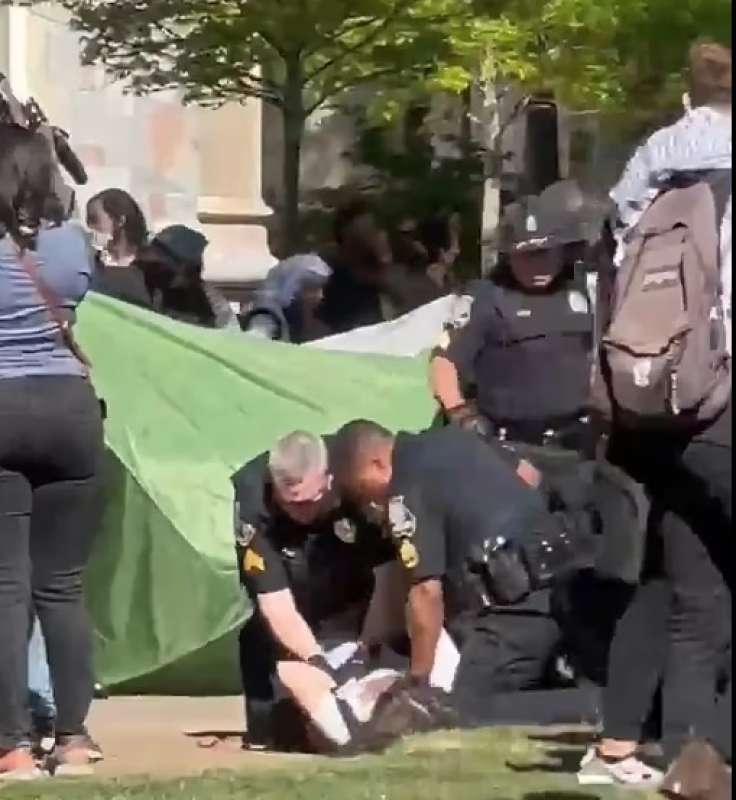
x,y
30,341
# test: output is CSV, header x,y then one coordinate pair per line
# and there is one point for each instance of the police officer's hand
x,y
433,700
467,417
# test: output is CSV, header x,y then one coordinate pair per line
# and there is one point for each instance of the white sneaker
x,y
631,772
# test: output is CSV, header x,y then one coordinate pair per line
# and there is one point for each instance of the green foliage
x,y
296,54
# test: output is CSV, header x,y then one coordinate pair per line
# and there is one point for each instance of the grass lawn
x,y
487,765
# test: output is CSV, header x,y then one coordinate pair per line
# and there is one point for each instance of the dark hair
x,y
346,215
710,76
352,442
118,205
26,184
435,234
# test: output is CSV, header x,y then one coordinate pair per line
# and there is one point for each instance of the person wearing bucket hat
x,y
172,264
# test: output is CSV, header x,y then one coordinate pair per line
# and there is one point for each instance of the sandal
x,y
73,756
18,765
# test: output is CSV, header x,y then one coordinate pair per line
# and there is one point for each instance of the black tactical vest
x,y
536,361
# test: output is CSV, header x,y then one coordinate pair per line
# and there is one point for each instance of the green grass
x,y
488,765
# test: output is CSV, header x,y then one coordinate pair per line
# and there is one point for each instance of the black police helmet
x,y
553,219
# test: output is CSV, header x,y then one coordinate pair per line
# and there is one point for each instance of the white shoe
x,y
631,772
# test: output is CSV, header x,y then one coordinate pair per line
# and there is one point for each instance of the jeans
x,y
41,693
50,453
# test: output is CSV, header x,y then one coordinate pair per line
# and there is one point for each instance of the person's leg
x,y
258,673
636,667
503,654
65,518
15,582
699,623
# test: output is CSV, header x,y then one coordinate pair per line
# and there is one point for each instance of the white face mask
x,y
100,241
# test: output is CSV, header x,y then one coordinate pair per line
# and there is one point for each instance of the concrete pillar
x,y
230,206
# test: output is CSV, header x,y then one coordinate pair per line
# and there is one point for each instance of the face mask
x,y
100,240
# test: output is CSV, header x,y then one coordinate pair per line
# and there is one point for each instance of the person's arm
x,y
453,361
288,626
445,382
425,617
385,615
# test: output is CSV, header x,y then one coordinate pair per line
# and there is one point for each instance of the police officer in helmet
x,y
526,347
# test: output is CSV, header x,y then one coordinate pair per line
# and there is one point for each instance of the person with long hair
x,y
51,443
119,235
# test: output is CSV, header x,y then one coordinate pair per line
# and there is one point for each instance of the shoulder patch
x,y
253,562
345,530
401,520
244,531
460,312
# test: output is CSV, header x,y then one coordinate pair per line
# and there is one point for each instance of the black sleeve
x,y
261,568
465,340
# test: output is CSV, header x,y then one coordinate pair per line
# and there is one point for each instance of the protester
x,y
172,264
284,307
688,474
50,453
355,294
119,233
424,258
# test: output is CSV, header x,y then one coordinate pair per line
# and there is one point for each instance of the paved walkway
x,y
172,736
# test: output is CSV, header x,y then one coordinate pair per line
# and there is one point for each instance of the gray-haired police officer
x,y
306,562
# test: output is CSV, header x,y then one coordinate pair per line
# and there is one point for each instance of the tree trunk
x,y
493,141
294,126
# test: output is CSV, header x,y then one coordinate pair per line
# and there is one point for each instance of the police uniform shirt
x,y
450,492
527,354
328,566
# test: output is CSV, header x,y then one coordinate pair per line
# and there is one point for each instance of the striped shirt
x,y
700,140
30,343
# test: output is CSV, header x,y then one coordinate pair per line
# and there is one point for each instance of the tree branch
x,y
401,5
336,90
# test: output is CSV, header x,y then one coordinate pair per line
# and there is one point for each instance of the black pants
x,y
258,658
50,448
690,483
506,660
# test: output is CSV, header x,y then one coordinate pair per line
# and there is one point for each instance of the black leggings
x,y
50,453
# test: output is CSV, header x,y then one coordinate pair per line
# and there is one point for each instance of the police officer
x,y
524,350
304,560
478,547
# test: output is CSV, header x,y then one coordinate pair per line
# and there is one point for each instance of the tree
x,y
297,55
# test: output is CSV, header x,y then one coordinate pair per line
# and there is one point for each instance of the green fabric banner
x,y
186,408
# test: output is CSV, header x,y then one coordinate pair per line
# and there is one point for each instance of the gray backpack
x,y
663,359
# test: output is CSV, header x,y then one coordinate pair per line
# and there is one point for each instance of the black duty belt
x,y
565,434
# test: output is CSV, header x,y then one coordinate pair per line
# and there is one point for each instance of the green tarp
x,y
186,408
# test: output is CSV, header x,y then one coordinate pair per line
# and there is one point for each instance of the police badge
x,y
345,531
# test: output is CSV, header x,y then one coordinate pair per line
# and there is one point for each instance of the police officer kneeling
x,y
307,564
479,549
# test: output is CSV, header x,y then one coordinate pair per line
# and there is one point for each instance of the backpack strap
x,y
53,304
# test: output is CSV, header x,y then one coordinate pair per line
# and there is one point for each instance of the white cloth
x,y
410,335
